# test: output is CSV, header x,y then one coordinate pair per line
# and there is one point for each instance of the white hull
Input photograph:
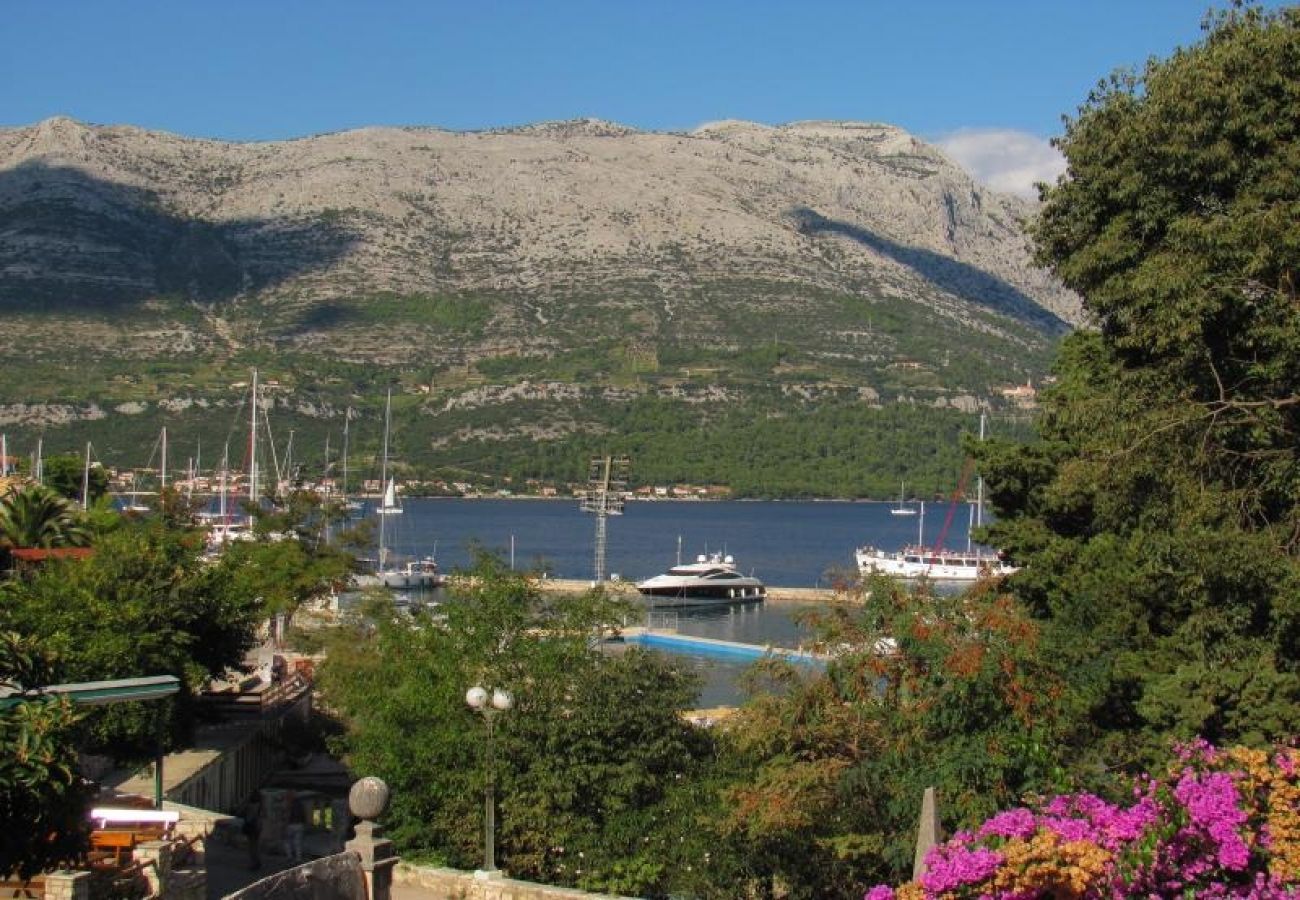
x,y
404,581
389,511
671,601
943,565
707,581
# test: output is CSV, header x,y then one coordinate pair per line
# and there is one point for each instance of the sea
x,y
785,543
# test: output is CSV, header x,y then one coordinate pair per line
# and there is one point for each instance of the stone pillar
x,y
274,819
368,799
67,885
159,874
927,832
339,819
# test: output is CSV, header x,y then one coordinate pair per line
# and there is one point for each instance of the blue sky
x,y
268,69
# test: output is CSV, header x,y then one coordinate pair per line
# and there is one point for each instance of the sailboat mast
x,y
85,480
225,467
252,448
979,483
383,478
347,420
39,469
920,527
164,459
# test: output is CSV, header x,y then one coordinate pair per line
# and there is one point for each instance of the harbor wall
x,y
774,594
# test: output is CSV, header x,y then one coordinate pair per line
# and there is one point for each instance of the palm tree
x,y
36,516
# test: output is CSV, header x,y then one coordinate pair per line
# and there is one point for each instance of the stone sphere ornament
x,y
368,798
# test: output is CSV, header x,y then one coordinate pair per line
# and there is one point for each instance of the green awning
x,y
98,693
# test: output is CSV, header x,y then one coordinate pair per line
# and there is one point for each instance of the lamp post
x,y
489,704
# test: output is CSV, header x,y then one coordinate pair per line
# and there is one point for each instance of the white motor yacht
x,y
709,580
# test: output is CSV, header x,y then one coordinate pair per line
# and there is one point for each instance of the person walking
x,y
295,815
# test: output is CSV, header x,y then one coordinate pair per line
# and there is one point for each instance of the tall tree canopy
x,y
593,745
1158,519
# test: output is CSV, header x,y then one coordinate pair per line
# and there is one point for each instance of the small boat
x,y
902,509
709,580
419,573
389,507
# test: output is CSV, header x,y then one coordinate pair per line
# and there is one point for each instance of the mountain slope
x,y
569,264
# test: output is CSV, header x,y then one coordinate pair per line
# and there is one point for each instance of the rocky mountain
x,y
562,257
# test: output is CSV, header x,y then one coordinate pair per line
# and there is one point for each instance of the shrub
x,y
1219,823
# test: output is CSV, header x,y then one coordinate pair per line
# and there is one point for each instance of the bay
x,y
785,543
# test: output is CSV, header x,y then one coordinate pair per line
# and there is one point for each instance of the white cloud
x,y
1003,159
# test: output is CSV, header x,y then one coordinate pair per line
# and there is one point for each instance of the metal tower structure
x,y
606,483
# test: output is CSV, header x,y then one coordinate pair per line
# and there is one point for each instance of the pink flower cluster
x,y
1200,831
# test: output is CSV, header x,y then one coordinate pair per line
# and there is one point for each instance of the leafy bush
x,y
1218,823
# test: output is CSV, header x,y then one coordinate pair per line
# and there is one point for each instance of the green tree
x,y
144,604
298,554
1157,519
67,474
951,692
36,516
592,740
42,798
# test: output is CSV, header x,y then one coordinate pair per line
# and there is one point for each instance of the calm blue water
x,y
789,544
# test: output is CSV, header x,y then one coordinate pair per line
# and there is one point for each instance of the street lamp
x,y
490,704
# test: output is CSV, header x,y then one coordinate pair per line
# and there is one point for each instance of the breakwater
x,y
790,595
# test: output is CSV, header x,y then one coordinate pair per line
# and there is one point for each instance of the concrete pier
x,y
774,594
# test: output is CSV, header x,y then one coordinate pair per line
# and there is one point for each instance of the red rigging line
x,y
967,468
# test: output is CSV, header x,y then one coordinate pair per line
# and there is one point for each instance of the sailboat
x,y
902,509
389,506
349,506
416,574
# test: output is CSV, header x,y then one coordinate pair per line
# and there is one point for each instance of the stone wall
x,y
453,884
337,877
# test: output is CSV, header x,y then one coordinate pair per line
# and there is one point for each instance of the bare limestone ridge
x,y
100,214
863,252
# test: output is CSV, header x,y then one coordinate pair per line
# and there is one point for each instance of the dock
x,y
774,594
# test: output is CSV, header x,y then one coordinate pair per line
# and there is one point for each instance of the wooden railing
x,y
259,703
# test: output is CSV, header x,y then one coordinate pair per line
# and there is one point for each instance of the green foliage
x,y
42,798
1157,518
951,692
837,447
592,740
144,604
36,516
295,559
791,356
66,473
